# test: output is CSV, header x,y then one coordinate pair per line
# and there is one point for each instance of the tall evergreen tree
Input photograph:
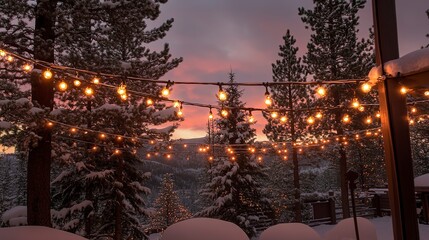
x,y
233,192
102,36
289,69
169,209
334,52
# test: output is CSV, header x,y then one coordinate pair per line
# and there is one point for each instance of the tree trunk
x,y
118,208
39,158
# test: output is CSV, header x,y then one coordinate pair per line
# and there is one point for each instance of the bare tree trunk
x,y
39,158
118,204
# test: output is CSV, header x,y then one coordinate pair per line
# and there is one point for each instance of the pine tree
x,y
233,192
334,52
169,209
102,36
288,69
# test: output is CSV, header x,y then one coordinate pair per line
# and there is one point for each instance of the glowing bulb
x,y
176,104
2,53
62,86
426,93
404,90
413,110
222,95
211,158
251,119
27,67
77,83
165,92
9,58
368,120
355,103
94,148
102,136
310,120
321,91
180,112
50,124
89,91
283,119
378,115
117,151
96,80
119,138
124,97
149,101
73,130
122,89
224,113
346,118
274,115
366,88
233,158
210,116
47,74
411,122
268,100
319,115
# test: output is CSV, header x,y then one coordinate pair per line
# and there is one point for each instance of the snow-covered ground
x,y
36,233
383,228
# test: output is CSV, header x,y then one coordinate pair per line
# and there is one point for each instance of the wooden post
x,y
395,127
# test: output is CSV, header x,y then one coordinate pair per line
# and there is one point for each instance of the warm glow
x,y
378,115
149,102
404,90
346,118
210,116
96,80
180,112
427,93
117,151
366,87
2,53
368,120
77,83
274,115
119,138
251,119
413,109
283,119
168,156
124,97
63,86
50,124
411,122
361,108
89,91
73,130
165,92
122,89
224,113
102,136
222,95
310,120
176,104
9,58
355,103
47,74
148,155
319,115
321,91
27,67
268,100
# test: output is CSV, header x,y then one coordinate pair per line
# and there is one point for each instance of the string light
x,y
310,120
96,80
124,97
222,96
268,100
89,91
319,115
404,90
368,120
411,122
321,91
77,83
47,74
355,103
149,102
176,104
283,119
346,118
117,151
166,90
224,113
9,58
210,114
413,109
378,115
274,115
366,87
27,67
361,108
180,112
426,93
62,86
2,53
122,89
50,124
250,118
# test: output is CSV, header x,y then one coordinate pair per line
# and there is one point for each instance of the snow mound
x,y
204,228
36,233
284,231
16,216
422,181
345,230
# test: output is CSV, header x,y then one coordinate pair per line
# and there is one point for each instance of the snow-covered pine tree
x,y
168,208
234,193
103,36
288,69
334,52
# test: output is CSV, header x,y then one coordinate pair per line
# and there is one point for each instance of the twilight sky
x,y
214,37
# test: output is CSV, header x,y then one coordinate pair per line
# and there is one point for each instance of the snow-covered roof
x,y
412,63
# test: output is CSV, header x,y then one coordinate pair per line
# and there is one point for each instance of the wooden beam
x,y
395,129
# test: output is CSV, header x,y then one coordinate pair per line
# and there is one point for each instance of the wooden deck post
x,y
395,129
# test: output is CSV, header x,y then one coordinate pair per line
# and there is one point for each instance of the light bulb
x,y
210,116
319,115
222,96
346,118
124,97
274,115
368,120
96,80
355,103
412,122
404,90
180,112
2,53
268,100
413,109
224,113
117,151
321,91
77,83
251,119
149,101
9,58
47,74
27,67
366,88
165,92
89,91
426,93
122,89
378,115
283,119
361,108
62,86
310,120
